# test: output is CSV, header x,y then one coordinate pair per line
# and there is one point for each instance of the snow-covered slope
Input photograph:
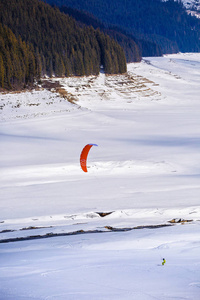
x,y
191,4
193,7
143,177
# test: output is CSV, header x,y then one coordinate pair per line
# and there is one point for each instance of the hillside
x,y
163,22
18,62
61,46
134,48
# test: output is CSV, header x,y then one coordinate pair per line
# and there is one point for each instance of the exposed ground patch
x,y
56,87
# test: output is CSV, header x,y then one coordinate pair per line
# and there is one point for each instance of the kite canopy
x,y
84,155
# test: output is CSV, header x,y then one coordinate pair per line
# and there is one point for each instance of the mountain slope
x,y
61,46
133,48
164,22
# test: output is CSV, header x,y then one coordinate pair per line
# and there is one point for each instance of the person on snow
x,y
164,261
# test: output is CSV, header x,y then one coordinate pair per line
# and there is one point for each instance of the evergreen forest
x,y
165,23
18,62
37,39
134,48
75,38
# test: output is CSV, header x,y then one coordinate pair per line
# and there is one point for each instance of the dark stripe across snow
x,y
107,229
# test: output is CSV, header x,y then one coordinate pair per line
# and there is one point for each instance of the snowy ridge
x,y
193,7
191,4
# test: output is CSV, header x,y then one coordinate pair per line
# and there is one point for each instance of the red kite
x,y
83,157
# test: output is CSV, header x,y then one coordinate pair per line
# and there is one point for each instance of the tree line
x,y
37,40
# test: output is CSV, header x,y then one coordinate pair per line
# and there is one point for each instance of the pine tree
x,y
2,72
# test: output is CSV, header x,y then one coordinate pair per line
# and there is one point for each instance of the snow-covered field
x,y
145,173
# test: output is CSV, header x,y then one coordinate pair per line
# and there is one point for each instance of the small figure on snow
x,y
164,261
